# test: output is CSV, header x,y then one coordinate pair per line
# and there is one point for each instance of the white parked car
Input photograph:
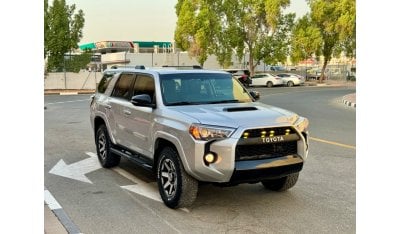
x,y
291,79
265,79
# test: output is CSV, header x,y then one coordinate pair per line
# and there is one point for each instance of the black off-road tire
x,y
281,184
290,84
103,144
270,84
176,187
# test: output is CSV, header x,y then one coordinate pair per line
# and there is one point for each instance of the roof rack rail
x,y
142,67
184,67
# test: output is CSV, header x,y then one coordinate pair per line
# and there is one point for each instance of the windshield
x,y
201,88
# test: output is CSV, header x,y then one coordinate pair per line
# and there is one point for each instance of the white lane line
x,y
149,190
128,175
53,103
51,201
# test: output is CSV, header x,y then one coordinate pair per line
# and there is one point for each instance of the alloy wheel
x,y
102,143
168,178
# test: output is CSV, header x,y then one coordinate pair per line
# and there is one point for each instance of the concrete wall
x,y
69,80
157,60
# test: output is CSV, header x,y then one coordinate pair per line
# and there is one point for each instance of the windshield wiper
x,y
182,103
224,101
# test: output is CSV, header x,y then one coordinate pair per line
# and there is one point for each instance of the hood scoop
x,y
238,109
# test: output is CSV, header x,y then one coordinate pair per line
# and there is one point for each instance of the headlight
x,y
206,133
302,124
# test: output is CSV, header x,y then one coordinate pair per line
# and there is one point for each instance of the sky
x,y
138,20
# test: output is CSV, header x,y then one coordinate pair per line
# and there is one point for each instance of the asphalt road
x,y
323,200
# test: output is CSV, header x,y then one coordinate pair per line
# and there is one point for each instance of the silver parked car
x,y
291,79
191,126
266,79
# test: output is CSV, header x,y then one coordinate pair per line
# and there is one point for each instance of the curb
x,y
66,92
347,102
314,84
59,212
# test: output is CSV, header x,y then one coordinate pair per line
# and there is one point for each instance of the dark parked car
x,y
243,75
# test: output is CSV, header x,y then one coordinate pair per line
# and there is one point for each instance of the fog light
x,y
271,133
210,158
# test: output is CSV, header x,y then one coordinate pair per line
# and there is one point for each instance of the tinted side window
x,y
101,88
144,85
123,86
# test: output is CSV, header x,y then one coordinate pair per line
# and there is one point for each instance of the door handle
x,y
107,106
127,112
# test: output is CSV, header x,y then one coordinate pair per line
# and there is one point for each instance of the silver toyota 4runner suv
x,y
191,126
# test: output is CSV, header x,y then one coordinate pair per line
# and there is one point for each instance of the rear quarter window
x,y
101,88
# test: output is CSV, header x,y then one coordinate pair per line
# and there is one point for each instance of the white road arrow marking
x,y
149,190
77,171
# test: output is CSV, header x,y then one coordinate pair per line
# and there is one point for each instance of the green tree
x,y
346,26
255,28
46,27
306,39
62,31
74,63
196,26
275,47
227,27
334,21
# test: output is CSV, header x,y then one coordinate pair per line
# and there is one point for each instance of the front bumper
x,y
258,170
234,165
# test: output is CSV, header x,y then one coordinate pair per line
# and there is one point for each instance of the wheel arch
x,y
97,122
163,139
159,144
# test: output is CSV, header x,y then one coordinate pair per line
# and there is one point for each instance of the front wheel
x,y
103,146
176,187
269,84
281,184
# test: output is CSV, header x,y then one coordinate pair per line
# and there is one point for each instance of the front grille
x,y
263,151
278,131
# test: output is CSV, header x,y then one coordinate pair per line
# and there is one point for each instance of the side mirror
x,y
142,100
255,95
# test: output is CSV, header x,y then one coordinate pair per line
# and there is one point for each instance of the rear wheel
x,y
269,84
103,146
290,83
176,187
281,184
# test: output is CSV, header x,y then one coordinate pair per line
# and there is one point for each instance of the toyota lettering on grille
x,y
272,139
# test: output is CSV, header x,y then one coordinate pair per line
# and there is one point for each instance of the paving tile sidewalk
x,y
52,224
